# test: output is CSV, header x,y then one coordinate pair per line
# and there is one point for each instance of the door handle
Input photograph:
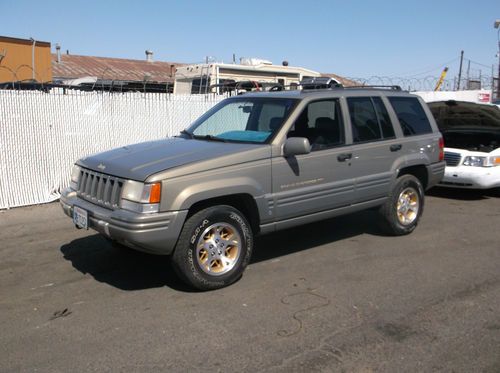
x,y
344,157
396,147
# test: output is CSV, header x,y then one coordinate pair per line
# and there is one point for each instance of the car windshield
x,y
251,120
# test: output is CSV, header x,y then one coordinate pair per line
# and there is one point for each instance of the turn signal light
x,y
155,193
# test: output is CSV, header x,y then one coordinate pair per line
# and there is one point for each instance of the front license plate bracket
x,y
80,217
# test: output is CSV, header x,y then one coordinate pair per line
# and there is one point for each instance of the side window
x,y
321,123
370,119
411,115
365,126
383,118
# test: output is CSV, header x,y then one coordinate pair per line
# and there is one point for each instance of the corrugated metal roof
x,y
74,66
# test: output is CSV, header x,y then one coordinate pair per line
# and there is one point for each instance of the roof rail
x,y
389,87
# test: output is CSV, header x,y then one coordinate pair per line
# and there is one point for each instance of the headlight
x,y
477,161
141,197
75,177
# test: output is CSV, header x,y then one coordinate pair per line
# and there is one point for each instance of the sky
x,y
351,38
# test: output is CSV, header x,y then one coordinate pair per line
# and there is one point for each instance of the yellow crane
x,y
441,79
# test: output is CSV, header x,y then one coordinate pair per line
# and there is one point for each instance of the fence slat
x,y
43,134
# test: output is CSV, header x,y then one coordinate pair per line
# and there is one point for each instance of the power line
x,y
477,63
428,69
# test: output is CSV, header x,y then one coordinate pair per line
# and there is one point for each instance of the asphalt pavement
x,y
335,296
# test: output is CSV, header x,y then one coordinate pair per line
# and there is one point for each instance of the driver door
x,y
321,180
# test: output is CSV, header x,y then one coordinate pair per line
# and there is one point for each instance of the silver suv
x,y
257,163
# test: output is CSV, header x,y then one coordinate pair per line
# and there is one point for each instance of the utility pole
x,y
468,75
460,71
497,25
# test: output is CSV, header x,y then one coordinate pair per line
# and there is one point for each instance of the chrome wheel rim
x,y
218,249
408,206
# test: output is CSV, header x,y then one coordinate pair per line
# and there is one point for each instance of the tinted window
x,y
321,123
383,118
411,115
365,126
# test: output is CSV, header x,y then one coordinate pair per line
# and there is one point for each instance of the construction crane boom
x,y
441,79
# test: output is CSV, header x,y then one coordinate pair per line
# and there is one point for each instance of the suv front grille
x,y
99,188
452,159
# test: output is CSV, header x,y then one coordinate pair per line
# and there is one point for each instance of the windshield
x,y
253,120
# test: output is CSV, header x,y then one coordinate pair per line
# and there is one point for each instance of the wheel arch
x,y
243,202
419,171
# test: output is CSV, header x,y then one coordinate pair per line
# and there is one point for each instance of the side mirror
x,y
296,146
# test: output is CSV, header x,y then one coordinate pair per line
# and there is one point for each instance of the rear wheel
x,y
214,248
405,205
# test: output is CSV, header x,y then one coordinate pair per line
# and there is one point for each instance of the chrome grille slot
x,y
452,159
98,188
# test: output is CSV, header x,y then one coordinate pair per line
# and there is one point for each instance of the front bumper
x,y
154,233
471,177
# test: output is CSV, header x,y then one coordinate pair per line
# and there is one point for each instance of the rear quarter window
x,y
411,115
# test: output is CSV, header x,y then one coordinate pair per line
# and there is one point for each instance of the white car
x,y
471,135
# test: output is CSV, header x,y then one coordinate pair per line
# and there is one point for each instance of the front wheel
x,y
214,248
405,205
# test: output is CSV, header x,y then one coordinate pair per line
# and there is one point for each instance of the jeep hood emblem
x,y
101,166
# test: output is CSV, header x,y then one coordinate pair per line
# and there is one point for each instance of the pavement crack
x,y
62,313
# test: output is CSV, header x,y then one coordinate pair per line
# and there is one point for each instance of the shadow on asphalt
x,y
121,267
463,194
311,235
128,269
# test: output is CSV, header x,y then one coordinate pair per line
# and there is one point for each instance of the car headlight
x,y
141,197
478,161
75,177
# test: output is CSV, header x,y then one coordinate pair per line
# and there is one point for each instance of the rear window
x,y
411,115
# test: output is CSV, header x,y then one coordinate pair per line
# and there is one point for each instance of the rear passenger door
x,y
375,147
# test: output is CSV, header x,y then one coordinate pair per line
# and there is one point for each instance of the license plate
x,y
80,217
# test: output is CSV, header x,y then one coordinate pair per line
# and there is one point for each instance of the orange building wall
x,y
16,65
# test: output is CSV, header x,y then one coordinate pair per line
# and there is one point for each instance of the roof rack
x,y
389,87
320,82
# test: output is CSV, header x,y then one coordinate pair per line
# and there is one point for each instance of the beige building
x,y
24,60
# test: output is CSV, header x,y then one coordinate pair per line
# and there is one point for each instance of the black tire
x,y
223,265
394,221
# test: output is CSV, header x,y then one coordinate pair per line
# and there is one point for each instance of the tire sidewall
x,y
197,225
406,181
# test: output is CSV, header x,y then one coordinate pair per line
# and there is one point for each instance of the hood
x,y
138,161
457,115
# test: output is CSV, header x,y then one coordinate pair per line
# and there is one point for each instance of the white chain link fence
x,y
43,134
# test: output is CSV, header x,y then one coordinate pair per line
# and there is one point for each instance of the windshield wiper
x,y
209,138
187,133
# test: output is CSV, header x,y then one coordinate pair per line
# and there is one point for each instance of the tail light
x,y
441,149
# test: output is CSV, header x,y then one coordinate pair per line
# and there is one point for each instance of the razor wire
x,y
427,83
